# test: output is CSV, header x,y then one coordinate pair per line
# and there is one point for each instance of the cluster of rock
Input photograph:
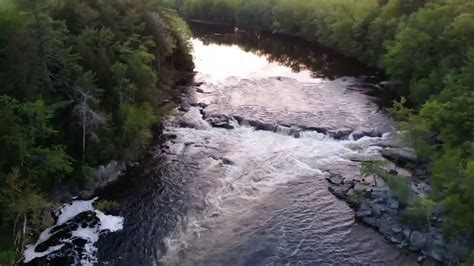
x,y
228,122
62,246
191,107
104,176
377,206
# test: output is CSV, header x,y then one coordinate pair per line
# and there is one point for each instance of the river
x,y
239,175
241,179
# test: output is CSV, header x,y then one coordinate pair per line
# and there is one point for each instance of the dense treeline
x,y
427,49
82,82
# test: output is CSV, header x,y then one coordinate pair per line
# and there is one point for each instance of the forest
x,y
426,47
82,82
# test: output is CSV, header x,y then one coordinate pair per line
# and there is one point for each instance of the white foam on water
x,y
91,234
263,162
314,135
234,123
228,198
194,118
74,208
327,104
283,130
30,254
108,223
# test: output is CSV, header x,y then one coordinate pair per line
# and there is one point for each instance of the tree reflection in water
x,y
287,50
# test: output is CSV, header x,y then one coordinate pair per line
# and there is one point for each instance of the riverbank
x,y
377,203
89,213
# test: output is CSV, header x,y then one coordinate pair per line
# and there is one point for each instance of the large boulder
x,y
381,193
385,84
340,134
220,121
193,119
364,211
360,134
385,227
378,209
370,221
400,155
417,240
336,179
436,247
109,173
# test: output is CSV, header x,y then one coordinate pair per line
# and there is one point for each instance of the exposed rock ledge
x,y
104,176
375,205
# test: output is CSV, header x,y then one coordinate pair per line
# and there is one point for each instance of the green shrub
x,y
106,205
419,214
399,186
7,257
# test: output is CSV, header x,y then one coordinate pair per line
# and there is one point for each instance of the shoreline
x,y
376,205
112,181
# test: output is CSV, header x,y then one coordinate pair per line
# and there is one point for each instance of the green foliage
x,y
22,205
418,215
106,205
7,257
136,126
373,168
82,83
408,56
469,260
356,196
18,197
417,126
25,133
399,186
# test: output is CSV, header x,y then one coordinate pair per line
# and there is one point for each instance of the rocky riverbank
x,y
78,224
377,205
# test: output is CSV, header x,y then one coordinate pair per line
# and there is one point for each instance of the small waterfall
x,y
233,122
314,135
74,235
286,131
193,119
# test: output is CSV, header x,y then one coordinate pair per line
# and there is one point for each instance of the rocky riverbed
x,y
376,205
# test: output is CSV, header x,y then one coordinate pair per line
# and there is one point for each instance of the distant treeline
x,y
81,83
427,49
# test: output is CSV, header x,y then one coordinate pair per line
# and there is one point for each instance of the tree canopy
x,y
81,83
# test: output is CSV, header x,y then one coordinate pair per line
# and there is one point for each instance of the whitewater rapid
x,y
67,233
243,170
241,176
259,193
